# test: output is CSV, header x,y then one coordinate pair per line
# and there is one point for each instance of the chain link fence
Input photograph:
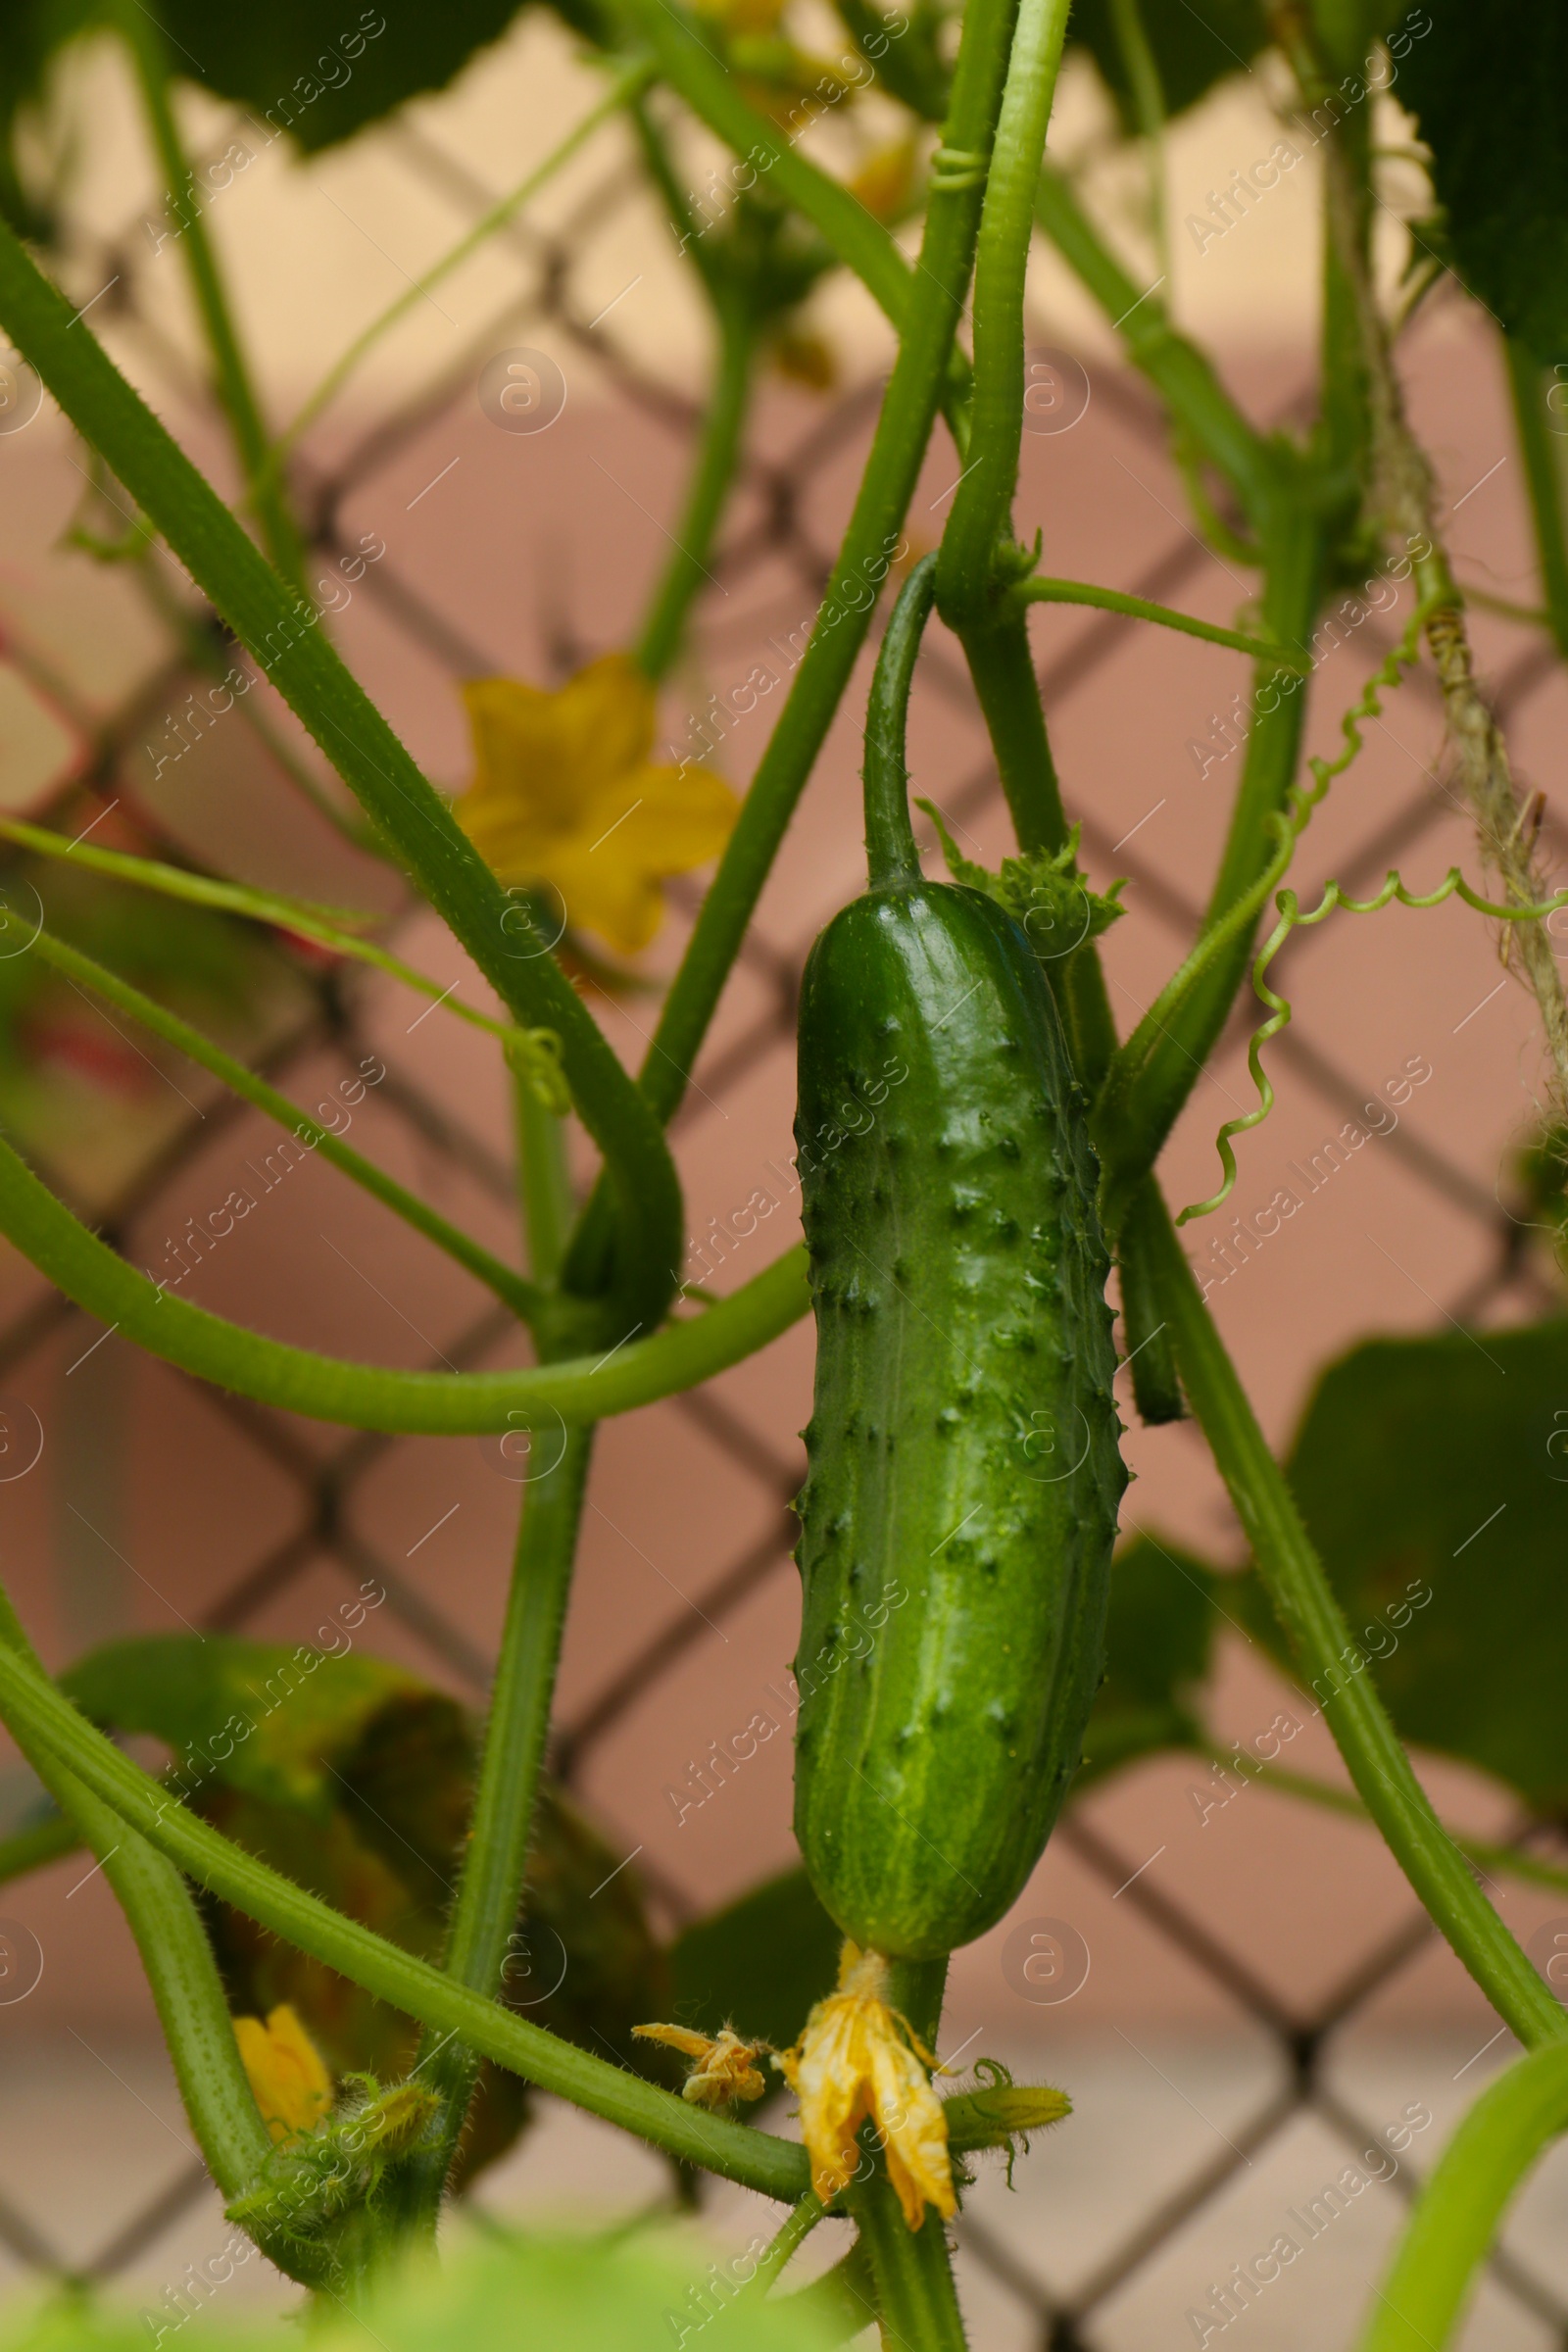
x,y
780,549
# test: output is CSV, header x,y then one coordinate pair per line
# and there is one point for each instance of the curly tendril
x,y
1288,830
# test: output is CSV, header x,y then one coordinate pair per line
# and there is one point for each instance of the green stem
x,y
891,855
1544,455
526,1298
181,1972
717,459
32,1705
631,80
543,1180
1004,674
326,925
150,57
496,1863
982,510
1041,591
1457,2215
687,63
368,1395
1179,371
1303,1602
898,449
284,639
917,2301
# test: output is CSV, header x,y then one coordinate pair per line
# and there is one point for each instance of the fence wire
x,y
325,1479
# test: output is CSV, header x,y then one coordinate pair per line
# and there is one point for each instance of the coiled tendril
x,y
1288,829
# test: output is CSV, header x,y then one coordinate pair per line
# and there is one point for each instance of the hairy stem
x,y
1457,2215
1303,1602
31,1706
1507,829
525,1297
286,639
981,520
870,543
368,1395
181,1973
495,1868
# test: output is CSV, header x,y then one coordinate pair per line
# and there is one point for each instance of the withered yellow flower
x,y
858,2059
293,2089
564,795
724,2070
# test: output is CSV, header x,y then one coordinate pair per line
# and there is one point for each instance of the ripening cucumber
x,y
963,1476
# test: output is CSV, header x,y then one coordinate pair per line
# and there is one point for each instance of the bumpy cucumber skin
x,y
962,1448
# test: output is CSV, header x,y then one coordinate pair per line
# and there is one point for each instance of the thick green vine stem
x,y
366,1396
912,2269
494,1867
1448,2235
32,1707
981,521
1303,1602
870,545
890,852
181,1973
283,637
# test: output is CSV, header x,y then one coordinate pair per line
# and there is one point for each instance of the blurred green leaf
x,y
1159,1637
759,1964
353,1777
321,72
1440,1465
1488,89
1193,49
264,1719
558,2294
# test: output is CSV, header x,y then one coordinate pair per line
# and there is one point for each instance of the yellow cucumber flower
x,y
293,2089
564,796
725,2070
858,2059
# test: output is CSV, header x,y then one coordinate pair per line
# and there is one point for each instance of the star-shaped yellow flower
x,y
293,2089
858,2058
724,2071
564,795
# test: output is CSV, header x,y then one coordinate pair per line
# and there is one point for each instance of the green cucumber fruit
x,y
963,1477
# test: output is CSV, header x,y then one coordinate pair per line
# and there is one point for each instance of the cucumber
x,y
963,1477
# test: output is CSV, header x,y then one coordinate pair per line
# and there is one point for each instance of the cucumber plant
x,y
964,1444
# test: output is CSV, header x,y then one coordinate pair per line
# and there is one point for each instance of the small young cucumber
x,y
962,1448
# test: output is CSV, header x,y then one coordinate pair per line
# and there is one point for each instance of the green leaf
x,y
1487,88
1193,50
579,2295
1439,1466
261,1718
759,1964
1159,1637
319,74
355,1778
